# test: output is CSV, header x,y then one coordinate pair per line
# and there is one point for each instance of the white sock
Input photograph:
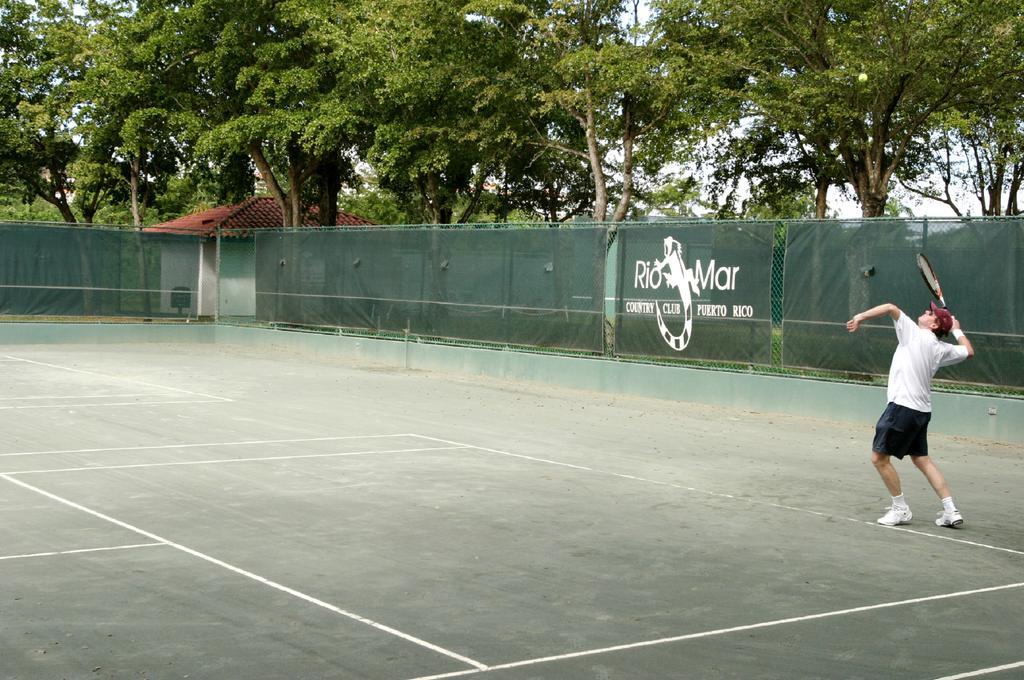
x,y
899,502
947,504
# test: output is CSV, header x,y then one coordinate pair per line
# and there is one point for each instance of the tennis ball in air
x,y
863,77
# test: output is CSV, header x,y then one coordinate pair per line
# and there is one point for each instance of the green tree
x,y
861,80
757,163
544,185
48,57
16,43
377,205
272,82
620,83
981,153
994,148
441,129
136,111
677,197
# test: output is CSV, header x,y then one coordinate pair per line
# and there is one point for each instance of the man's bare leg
x,y
950,516
933,475
899,512
890,477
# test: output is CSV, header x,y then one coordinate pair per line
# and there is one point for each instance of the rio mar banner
x,y
695,291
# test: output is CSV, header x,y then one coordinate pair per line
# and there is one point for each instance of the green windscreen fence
x,y
695,291
765,294
835,269
50,270
538,287
236,280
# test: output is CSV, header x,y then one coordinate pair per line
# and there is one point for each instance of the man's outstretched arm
x,y
888,308
961,338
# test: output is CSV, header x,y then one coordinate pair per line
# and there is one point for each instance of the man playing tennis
x,y
903,427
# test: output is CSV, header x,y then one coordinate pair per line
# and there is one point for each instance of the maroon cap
x,y
944,319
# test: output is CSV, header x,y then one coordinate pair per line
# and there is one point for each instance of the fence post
x,y
216,277
611,289
777,290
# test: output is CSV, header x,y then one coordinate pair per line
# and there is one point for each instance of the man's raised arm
x,y
888,308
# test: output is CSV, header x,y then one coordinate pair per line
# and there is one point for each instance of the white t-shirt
x,y
919,355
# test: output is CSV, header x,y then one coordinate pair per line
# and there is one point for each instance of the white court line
x,y
81,396
962,541
116,377
91,468
115,403
250,575
716,494
984,671
79,552
246,442
722,631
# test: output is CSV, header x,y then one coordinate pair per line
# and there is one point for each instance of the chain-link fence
x,y
759,296
824,272
836,269
537,287
236,279
71,271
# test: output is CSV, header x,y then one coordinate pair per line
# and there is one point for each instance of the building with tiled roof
x,y
227,280
241,219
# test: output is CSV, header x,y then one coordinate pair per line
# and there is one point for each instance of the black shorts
x,y
900,431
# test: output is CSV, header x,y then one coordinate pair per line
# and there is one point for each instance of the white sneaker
x,y
896,516
950,519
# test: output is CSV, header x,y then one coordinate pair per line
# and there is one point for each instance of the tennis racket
x,y
930,279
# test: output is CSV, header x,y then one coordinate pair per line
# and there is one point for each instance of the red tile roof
x,y
258,212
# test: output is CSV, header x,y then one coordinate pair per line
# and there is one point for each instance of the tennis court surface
x,y
185,511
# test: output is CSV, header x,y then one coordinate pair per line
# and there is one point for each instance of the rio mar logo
x,y
689,282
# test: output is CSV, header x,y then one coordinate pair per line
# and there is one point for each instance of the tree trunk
x,y
871,192
294,195
821,198
872,206
428,194
267,173
135,169
61,202
627,164
995,191
330,186
90,206
549,203
483,170
596,168
55,195
1017,179
870,169
51,185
